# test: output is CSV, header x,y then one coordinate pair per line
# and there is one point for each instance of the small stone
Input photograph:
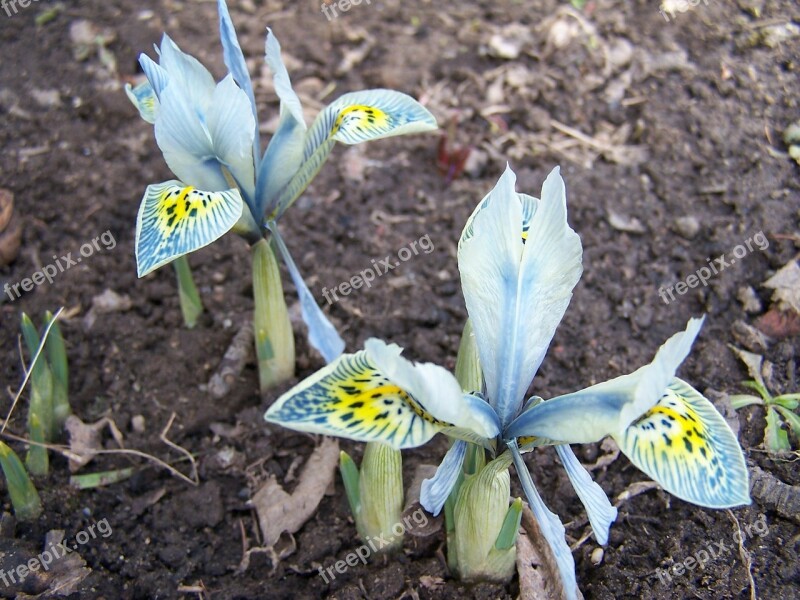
x,y
751,303
138,423
688,226
597,556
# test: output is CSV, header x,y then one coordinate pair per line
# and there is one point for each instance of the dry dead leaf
x,y
412,505
86,440
539,578
280,512
786,283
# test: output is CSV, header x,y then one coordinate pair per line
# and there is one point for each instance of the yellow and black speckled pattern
x,y
359,120
175,219
685,445
352,399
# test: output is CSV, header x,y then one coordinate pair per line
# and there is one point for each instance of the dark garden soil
x,y
668,134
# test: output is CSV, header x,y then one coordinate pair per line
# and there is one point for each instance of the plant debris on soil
x,y
669,129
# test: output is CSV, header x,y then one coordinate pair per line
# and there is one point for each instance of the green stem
x,y
191,305
272,328
24,497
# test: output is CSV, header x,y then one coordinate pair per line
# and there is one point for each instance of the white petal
x,y
519,261
434,388
600,511
231,125
607,408
234,60
280,77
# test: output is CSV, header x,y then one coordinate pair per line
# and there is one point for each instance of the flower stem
x,y
191,305
273,330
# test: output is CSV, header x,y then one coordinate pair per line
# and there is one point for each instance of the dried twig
x,y
744,555
233,362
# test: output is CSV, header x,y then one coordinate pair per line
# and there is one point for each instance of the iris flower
x,y
208,133
519,262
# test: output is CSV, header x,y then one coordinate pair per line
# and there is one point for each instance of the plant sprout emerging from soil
x,y
209,135
49,406
776,438
519,261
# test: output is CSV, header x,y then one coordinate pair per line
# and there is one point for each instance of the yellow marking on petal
x,y
361,118
175,219
352,399
686,446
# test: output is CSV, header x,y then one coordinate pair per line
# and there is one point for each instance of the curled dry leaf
x,y
538,572
280,512
86,440
412,505
786,283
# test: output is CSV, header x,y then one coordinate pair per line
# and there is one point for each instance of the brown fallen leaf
x,y
412,505
539,578
64,572
86,440
280,512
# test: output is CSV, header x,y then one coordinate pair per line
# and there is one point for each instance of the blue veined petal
x,y
375,114
234,60
351,119
607,408
231,126
686,446
186,142
175,219
600,511
321,333
284,154
144,99
156,75
434,491
373,395
280,76
549,523
435,390
519,261
185,72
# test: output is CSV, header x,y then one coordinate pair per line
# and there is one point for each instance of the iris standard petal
x,y
321,333
284,154
600,511
186,143
155,74
187,74
609,407
519,261
234,60
434,491
231,126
